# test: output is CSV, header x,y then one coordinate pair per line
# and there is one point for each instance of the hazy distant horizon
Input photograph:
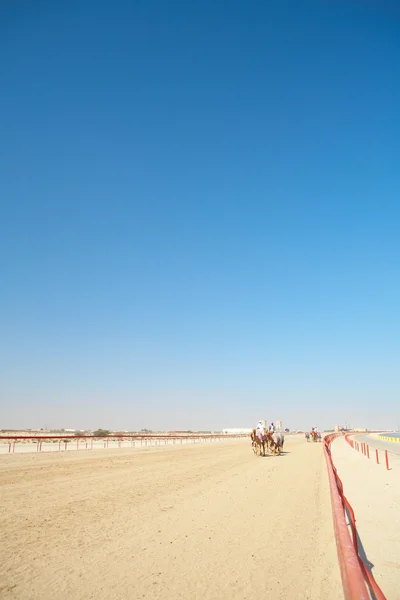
x,y
115,422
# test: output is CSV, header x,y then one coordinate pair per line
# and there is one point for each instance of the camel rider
x,y
272,427
260,429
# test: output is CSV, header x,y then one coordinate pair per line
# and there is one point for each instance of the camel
x,y
273,442
257,444
270,441
279,440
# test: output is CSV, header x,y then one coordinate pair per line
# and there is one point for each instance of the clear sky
x,y
200,213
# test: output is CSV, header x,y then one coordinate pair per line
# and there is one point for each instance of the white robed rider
x,y
260,429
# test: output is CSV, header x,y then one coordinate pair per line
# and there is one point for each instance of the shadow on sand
x,y
362,554
272,456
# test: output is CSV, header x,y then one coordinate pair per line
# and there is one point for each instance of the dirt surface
x,y
374,494
205,521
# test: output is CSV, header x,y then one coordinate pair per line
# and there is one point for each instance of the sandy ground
x,y
374,494
205,521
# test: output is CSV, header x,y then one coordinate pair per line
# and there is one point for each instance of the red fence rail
x,y
365,450
355,574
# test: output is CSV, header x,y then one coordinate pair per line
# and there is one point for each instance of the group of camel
x,y
272,441
315,436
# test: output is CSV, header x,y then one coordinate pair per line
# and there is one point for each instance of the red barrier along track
x,y
355,445
355,575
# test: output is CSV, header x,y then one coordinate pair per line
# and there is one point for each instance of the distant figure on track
x,y
317,434
272,427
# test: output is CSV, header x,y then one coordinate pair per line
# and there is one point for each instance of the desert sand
x,y
205,521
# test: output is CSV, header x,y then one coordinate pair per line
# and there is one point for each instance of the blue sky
x,y
199,222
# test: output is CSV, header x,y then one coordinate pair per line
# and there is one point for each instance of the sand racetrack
x,y
204,521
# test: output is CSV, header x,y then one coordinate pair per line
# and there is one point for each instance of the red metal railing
x,y
355,574
365,450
